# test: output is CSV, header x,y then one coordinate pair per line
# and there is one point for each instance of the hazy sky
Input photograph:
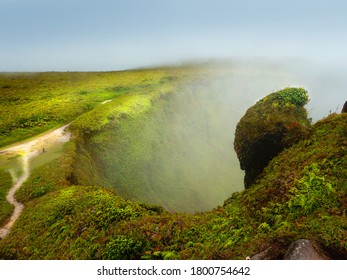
x,y
41,35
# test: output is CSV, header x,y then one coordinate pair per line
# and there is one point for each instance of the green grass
x,y
49,177
5,208
31,103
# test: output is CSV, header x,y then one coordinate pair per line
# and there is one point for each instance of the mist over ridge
x,y
183,148
180,154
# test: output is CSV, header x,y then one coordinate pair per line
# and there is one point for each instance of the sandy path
x,y
106,101
32,147
27,151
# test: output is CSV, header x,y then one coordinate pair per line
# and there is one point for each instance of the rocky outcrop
x,y
344,109
274,123
304,249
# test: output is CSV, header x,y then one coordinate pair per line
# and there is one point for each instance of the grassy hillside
x,y
76,206
32,103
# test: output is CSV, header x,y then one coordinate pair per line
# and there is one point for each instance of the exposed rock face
x,y
274,123
344,109
304,249
274,252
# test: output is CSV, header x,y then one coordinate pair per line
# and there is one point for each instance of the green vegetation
x,y
5,208
31,103
73,223
287,97
50,177
76,205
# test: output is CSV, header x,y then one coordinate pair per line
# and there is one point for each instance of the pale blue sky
x,y
43,35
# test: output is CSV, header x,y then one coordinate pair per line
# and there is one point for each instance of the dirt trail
x,y
27,151
106,101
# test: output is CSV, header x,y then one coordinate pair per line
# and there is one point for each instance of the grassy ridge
x,y
32,103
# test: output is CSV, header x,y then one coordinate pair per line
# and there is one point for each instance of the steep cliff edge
x,y
165,144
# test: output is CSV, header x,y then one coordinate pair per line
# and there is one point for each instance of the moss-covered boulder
x,y
274,123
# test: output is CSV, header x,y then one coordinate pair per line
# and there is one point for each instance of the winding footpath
x,y
27,151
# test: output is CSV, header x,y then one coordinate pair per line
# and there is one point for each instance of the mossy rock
x,y
274,123
344,109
